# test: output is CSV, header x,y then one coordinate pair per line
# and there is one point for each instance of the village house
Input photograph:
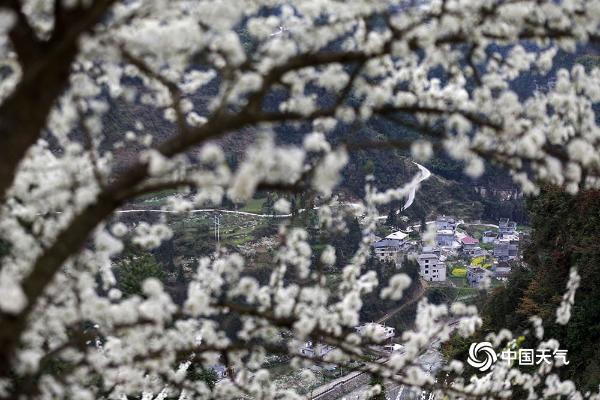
x,y
311,349
506,248
444,237
502,269
389,248
477,275
445,223
470,246
220,371
475,252
373,329
507,227
489,237
468,242
431,268
431,250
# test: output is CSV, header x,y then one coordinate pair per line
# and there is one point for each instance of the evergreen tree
x,y
133,271
565,235
423,223
391,220
208,376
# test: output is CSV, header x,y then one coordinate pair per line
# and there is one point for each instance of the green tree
x,y
391,219
207,375
132,272
423,223
369,167
4,248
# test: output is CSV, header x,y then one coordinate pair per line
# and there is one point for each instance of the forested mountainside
x,y
565,231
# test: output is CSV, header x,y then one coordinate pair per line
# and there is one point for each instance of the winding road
x,y
424,174
205,210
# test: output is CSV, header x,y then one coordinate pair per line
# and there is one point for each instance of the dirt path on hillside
x,y
414,298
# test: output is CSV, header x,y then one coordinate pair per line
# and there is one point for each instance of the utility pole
x,y
217,230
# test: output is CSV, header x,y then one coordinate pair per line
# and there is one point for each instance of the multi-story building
x,y
506,248
445,223
389,248
431,250
470,246
311,349
507,227
431,268
444,237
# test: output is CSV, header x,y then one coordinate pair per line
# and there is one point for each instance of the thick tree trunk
x,y
23,115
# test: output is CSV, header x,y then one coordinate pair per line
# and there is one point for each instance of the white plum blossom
x,y
397,284
563,313
421,150
282,206
197,106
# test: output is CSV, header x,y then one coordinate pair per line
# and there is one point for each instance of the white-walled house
x,y
506,248
431,250
507,227
444,237
389,248
489,237
431,268
311,349
373,329
445,223
399,235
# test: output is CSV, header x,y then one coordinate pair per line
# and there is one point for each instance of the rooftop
x,y
386,243
469,240
397,235
427,256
